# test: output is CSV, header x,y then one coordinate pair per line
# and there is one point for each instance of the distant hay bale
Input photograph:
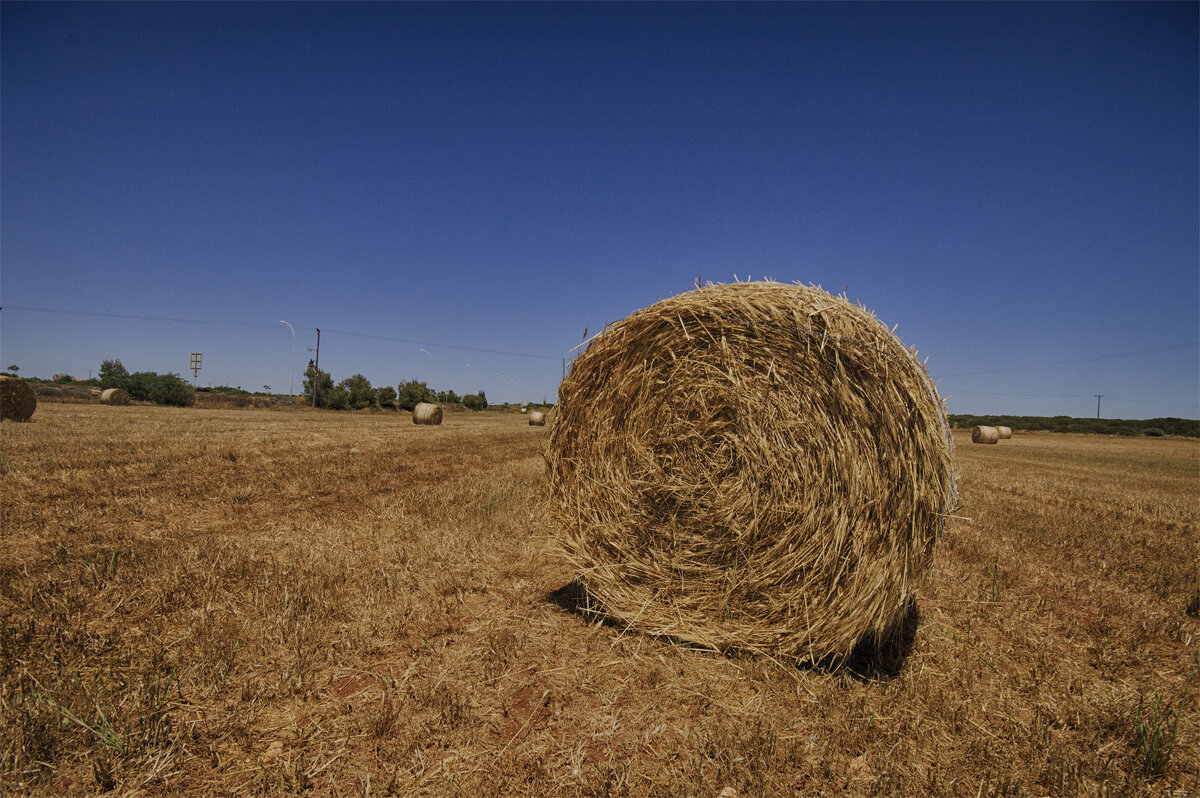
x,y
426,413
17,399
537,419
1005,432
524,410
114,396
752,466
985,435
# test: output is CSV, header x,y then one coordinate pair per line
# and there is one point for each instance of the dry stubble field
x,y
241,602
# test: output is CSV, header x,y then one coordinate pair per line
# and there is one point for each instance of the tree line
x,y
357,393
1150,427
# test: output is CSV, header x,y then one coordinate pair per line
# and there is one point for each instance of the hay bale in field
x,y
17,399
983,434
426,413
524,410
1004,432
114,396
537,419
751,466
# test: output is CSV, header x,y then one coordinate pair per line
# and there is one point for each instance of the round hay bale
x,y
753,466
1005,432
426,413
983,434
537,419
17,399
524,410
114,396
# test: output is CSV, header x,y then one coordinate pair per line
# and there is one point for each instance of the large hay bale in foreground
x,y
537,419
1004,432
752,466
114,396
984,434
17,399
426,413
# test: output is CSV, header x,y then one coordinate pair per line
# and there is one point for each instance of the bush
x,y
449,397
386,396
171,389
139,384
64,379
317,385
475,401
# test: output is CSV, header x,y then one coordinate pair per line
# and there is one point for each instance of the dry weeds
x,y
267,603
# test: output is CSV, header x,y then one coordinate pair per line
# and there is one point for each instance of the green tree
x,y
336,398
139,385
171,389
386,396
113,375
475,401
317,384
359,393
449,397
412,393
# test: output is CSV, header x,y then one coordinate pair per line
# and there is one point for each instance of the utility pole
x,y
1097,395
316,366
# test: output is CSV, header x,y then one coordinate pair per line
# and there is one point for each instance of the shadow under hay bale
x,y
17,399
876,657
757,467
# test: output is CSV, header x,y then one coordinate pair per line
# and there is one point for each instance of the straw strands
x,y
752,466
537,419
17,399
983,434
114,396
426,413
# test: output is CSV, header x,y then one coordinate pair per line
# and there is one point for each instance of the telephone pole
x,y
1097,395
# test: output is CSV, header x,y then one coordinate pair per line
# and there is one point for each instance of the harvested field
x,y
251,602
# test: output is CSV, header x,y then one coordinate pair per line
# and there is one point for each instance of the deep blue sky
x,y
1014,185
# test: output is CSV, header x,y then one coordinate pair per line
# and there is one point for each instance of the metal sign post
x,y
196,357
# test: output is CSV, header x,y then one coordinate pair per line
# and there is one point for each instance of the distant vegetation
x,y
356,393
147,386
1150,427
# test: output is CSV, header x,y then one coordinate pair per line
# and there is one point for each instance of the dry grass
x,y
271,603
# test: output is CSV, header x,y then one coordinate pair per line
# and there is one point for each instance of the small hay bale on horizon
x,y
537,418
114,396
755,466
985,434
17,399
428,414
1004,432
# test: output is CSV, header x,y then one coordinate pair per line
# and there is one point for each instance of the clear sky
x,y
1014,185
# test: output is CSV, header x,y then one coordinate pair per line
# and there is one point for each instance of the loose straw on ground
x,y
752,466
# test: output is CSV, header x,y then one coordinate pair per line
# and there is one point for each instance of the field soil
x,y
255,602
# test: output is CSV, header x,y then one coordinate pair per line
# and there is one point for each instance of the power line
x,y
273,327
1127,354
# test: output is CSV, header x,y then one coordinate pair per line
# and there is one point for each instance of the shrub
x,y
64,379
171,389
140,384
475,401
